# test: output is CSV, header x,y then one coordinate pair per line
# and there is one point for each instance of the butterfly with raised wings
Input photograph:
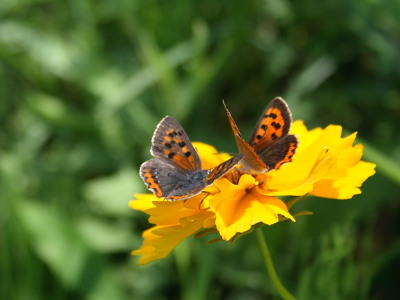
x,y
270,145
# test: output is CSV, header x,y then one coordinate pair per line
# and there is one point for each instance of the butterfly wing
x,y
280,152
171,142
235,129
251,160
274,123
169,181
223,168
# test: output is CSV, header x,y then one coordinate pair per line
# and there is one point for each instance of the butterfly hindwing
x,y
171,142
274,123
168,181
280,152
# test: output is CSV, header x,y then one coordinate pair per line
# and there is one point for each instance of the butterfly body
x,y
270,145
176,172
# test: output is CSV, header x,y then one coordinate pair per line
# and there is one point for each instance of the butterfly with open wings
x,y
176,172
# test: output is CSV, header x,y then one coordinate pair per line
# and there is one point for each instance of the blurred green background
x,y
83,85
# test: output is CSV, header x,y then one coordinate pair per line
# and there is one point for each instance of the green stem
x,y
285,294
294,201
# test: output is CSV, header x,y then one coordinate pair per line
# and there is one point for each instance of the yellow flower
x,y
177,220
325,165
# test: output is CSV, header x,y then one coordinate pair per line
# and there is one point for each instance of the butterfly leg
x,y
202,200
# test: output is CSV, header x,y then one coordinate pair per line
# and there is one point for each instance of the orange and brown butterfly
x,y
176,172
270,145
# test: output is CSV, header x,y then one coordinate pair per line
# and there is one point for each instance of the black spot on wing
x,y
276,125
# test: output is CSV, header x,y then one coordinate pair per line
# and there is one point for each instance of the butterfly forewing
x,y
235,129
251,160
273,124
171,142
223,168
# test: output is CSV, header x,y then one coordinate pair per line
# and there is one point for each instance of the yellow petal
x,y
210,157
160,240
345,187
306,136
170,212
143,202
238,207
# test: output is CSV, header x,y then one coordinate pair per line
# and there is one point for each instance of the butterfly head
x,y
199,176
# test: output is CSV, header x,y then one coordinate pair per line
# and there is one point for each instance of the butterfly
x,y
270,145
176,172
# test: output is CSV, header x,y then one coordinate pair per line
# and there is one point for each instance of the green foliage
x,y
82,87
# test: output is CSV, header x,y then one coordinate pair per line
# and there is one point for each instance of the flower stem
x,y
295,200
285,294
